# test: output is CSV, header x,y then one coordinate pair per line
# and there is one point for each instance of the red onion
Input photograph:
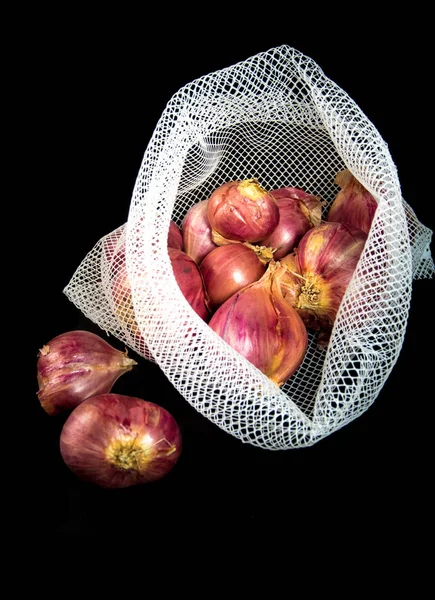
x,y
243,211
318,272
117,441
227,269
175,237
353,204
196,231
258,323
298,212
76,365
120,289
186,273
189,279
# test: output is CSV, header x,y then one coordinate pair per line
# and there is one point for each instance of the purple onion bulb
x,y
75,366
117,441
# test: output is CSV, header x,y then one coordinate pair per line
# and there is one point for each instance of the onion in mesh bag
x,y
317,273
197,232
242,211
353,204
227,269
188,278
279,116
258,323
298,212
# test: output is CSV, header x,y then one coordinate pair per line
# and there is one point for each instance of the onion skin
x,y
313,203
318,272
117,441
243,211
76,365
353,205
190,282
259,324
175,237
299,212
196,231
227,269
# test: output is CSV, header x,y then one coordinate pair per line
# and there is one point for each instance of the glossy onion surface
x,y
353,205
196,231
319,271
298,212
263,327
116,441
242,211
76,365
227,269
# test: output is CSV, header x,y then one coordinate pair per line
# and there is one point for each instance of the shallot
x,y
187,275
353,204
242,210
117,441
318,272
196,232
298,212
227,269
76,365
258,323
175,237
190,282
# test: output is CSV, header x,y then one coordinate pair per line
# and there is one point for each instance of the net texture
x,y
278,118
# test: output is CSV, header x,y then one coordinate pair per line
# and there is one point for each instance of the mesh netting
x,y
278,118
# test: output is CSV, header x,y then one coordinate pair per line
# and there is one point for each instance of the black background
x,y
93,91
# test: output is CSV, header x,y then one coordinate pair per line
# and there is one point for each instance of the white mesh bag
x,y
278,118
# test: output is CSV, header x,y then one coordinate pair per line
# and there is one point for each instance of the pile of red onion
x,y
259,266
108,439
272,268
186,273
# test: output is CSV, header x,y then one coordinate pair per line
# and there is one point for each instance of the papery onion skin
x,y
227,269
299,211
175,237
242,210
353,204
197,233
117,441
318,272
76,365
259,324
312,202
190,282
